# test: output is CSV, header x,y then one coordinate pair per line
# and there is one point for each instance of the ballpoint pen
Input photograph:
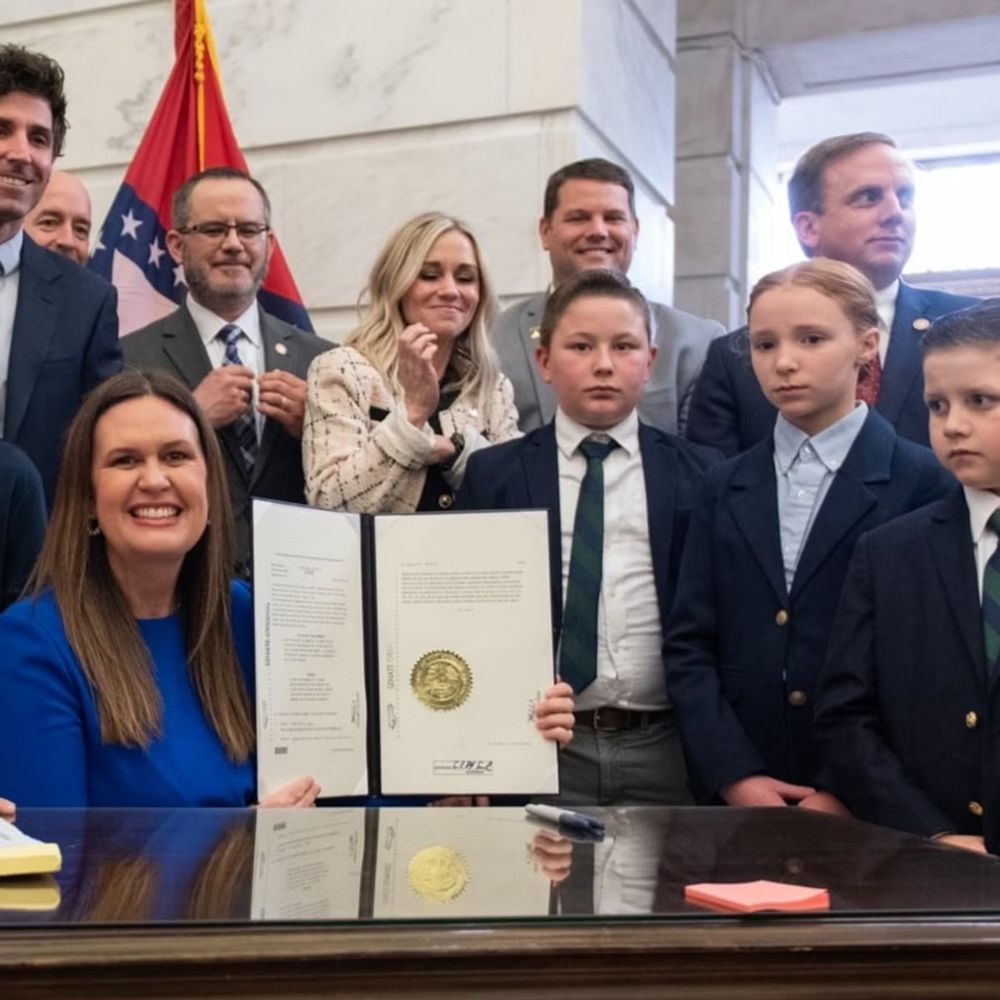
x,y
566,818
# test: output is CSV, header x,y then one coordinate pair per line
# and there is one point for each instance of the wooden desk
x,y
157,904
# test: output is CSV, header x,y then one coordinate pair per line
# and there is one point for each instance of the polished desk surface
x,y
258,893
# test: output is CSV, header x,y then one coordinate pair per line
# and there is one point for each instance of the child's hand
x,y
763,790
554,717
967,841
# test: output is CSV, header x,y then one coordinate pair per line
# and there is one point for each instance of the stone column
x,y
726,169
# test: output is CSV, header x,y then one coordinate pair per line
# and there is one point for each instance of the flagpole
x,y
200,31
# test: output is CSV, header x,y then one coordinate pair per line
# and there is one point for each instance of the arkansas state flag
x,y
189,131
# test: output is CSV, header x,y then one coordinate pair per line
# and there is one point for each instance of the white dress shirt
x,y
629,635
982,504
10,264
250,344
885,303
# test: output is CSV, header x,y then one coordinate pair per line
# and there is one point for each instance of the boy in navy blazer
x,y
595,352
909,702
770,541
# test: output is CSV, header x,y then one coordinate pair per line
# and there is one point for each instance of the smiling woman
x,y
393,415
127,674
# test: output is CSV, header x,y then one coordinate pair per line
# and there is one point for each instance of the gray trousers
x,y
642,766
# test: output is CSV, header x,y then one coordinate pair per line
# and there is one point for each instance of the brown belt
x,y
612,719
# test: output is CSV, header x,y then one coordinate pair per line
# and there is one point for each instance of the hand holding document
x,y
405,654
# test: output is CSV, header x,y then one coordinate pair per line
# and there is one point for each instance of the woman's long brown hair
x,y
99,625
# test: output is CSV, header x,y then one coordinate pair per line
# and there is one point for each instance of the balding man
x,y
61,219
851,199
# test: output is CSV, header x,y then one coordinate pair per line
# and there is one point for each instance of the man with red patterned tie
x,y
850,199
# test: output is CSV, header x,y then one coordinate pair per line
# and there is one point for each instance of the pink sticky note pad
x,y
749,897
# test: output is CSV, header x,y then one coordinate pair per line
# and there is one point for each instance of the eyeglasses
x,y
246,231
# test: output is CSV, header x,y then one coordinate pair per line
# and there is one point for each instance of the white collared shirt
x,y
982,504
885,303
10,281
629,634
250,344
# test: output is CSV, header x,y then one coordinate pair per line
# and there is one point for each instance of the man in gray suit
x,y
589,221
245,367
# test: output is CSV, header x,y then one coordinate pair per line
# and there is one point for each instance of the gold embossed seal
x,y
441,679
438,874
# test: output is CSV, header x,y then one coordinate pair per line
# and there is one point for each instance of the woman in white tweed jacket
x,y
393,415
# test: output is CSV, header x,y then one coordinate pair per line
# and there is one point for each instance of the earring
x,y
93,528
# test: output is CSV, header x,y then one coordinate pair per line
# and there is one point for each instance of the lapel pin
x,y
536,334
921,323
281,349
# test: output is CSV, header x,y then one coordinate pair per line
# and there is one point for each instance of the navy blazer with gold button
x,y
743,654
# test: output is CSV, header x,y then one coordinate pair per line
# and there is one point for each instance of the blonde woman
x,y
393,415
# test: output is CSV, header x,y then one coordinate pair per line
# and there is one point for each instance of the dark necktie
x,y
991,601
578,645
245,425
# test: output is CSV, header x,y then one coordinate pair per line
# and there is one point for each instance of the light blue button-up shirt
x,y
805,467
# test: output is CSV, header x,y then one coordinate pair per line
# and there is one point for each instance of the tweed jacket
x,y
359,451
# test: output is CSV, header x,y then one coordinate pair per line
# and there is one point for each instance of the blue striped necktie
x,y
578,644
245,425
991,600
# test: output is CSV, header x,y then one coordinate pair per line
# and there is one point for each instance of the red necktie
x,y
867,390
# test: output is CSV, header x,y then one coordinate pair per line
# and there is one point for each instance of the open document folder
x,y
402,654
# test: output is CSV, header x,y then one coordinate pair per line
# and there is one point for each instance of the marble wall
x,y
357,115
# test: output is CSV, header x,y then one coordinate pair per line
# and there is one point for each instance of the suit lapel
x,y
903,361
754,505
540,463
284,358
39,298
954,556
531,316
852,494
659,470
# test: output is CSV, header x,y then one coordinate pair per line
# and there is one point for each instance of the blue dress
x,y
51,752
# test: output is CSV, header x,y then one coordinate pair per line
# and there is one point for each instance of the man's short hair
x,y
596,283
976,326
180,205
26,72
594,169
805,187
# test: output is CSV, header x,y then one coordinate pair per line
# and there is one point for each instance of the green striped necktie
x,y
578,645
991,600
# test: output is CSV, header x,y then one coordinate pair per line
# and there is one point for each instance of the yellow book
x,y
23,855
29,892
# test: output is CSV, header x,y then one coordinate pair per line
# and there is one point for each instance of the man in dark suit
x,y
594,351
246,368
588,221
58,322
851,199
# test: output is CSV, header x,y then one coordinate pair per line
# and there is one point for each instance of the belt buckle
x,y
597,721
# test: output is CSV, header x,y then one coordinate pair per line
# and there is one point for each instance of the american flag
x,y
189,131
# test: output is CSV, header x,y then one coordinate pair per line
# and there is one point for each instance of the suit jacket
x,y
174,344
907,712
730,412
524,473
743,654
681,339
22,521
65,341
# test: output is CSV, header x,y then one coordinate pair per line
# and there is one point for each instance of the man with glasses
x,y
245,367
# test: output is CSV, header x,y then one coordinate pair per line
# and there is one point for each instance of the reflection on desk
x,y
350,865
